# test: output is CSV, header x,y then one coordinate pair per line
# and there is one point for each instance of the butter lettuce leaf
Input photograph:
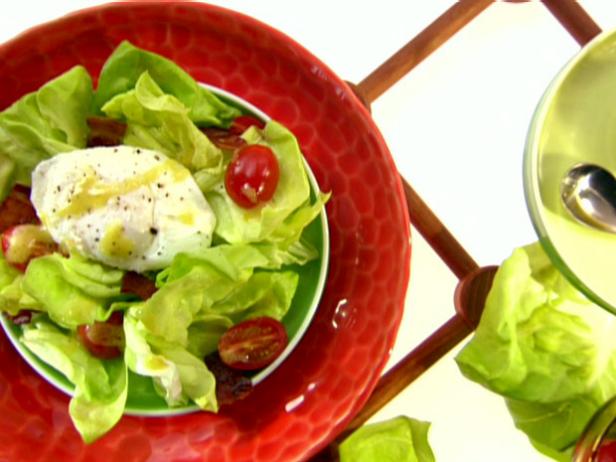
x,y
127,64
100,386
72,291
198,299
549,351
177,374
158,120
401,439
43,123
282,219
12,296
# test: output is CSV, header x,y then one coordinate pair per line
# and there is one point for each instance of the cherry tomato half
x,y
253,344
242,123
104,340
252,176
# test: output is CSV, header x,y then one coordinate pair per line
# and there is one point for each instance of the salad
x,y
149,229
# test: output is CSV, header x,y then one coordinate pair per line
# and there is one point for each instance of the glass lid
x,y
575,123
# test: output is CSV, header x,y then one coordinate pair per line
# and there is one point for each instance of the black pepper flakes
x,y
153,231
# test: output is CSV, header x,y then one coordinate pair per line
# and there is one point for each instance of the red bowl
x,y
331,373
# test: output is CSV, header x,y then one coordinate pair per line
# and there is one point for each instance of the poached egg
x,y
127,207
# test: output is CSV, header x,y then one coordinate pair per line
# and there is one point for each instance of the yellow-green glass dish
x,y
574,123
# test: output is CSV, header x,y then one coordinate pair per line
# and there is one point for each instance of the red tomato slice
x,y
104,340
253,344
252,176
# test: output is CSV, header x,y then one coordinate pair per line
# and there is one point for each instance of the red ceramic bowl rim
x,y
331,76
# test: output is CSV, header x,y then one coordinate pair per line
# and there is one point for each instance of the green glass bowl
x,y
142,399
574,123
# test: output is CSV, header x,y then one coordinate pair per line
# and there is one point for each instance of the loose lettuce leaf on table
x,y
549,351
401,439
128,63
100,386
43,123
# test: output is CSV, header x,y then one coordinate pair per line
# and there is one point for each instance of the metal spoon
x,y
589,194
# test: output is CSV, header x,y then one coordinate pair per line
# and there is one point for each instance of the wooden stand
x,y
474,282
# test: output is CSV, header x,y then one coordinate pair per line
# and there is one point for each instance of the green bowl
x,y
575,122
142,398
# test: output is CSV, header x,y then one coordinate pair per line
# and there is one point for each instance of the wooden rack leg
x,y
437,235
420,47
574,19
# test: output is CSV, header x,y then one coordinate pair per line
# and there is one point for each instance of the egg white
x,y
127,207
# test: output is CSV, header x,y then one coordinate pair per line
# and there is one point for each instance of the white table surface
x,y
456,127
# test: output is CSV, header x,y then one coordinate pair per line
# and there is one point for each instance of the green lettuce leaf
x,y
157,120
12,296
100,386
199,298
282,219
72,291
545,348
401,439
177,374
44,123
127,64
